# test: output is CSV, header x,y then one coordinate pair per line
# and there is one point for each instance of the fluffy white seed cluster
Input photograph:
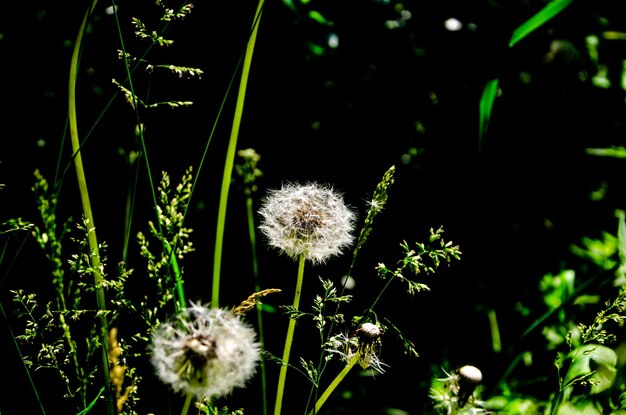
x,y
310,220
206,352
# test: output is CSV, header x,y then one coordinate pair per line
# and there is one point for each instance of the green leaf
x,y
593,358
615,152
316,49
548,12
317,16
486,105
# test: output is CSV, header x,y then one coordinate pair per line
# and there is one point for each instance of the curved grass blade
x,y
489,92
84,194
548,12
92,403
230,159
486,106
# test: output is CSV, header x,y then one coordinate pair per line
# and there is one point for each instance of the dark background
x,y
514,200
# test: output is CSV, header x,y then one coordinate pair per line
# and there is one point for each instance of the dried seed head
x,y
370,330
369,341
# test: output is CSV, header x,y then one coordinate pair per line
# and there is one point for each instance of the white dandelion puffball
x,y
310,220
206,352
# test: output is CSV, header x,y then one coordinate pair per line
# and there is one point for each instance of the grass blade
x,y
486,106
230,159
84,194
548,12
489,92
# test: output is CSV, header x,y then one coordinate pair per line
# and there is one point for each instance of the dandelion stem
x,y
257,288
84,195
290,330
187,404
230,157
333,385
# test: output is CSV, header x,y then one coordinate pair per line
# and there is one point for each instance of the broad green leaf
x,y
582,407
600,360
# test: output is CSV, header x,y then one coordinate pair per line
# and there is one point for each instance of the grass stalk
x,y
333,385
178,280
28,374
289,339
230,159
86,204
187,404
257,288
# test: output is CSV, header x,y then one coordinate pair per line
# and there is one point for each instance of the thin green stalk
x,y
230,159
257,288
496,342
187,404
180,292
289,340
130,207
333,385
17,347
180,302
84,195
380,294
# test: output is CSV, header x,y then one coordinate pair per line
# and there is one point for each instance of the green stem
x,y
289,340
257,288
180,292
333,385
84,195
19,351
380,294
230,158
187,404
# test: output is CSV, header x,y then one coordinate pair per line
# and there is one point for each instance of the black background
x,y
514,200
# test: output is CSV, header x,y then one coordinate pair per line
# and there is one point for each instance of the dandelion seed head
x,y
365,342
369,335
310,220
206,352
370,330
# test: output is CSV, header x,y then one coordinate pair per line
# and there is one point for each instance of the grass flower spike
x,y
310,220
205,352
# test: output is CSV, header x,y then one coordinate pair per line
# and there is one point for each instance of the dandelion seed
x,y
310,220
205,352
